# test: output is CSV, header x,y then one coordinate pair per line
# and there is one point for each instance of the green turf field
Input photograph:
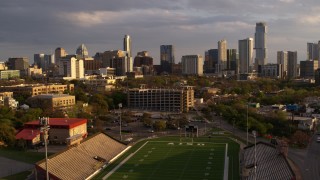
x,y
166,158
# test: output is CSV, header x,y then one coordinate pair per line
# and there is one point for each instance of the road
x,y
308,160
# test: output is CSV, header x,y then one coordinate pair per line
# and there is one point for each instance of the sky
x,y
192,26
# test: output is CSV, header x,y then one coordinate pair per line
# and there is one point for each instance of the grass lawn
x,y
167,158
24,156
22,175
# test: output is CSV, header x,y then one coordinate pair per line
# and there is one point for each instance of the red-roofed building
x,y
61,129
32,136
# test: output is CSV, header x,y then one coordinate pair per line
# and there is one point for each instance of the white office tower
x,y
127,48
192,65
260,44
71,68
282,58
245,55
222,56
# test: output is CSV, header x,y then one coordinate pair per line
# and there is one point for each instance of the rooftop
x,y
28,134
67,122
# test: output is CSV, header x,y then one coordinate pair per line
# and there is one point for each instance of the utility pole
x,y
255,154
120,106
247,124
44,122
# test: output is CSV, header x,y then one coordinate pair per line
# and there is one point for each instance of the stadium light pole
x,y
247,124
255,154
44,123
120,106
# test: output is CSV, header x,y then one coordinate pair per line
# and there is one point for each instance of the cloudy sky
x,y
193,26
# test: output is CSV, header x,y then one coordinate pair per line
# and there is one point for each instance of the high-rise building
x,y
127,44
71,68
313,51
128,48
192,65
117,59
43,61
20,63
58,54
82,52
222,56
232,60
292,64
270,71
144,61
167,58
282,58
245,55
308,68
211,64
260,44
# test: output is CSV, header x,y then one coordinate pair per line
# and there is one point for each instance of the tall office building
x,y
260,44
82,52
192,65
232,59
21,63
127,44
308,68
71,68
292,64
313,51
211,64
58,54
43,61
245,55
117,59
128,48
167,58
222,55
282,58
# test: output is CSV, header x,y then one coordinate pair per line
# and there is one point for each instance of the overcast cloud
x,y
193,26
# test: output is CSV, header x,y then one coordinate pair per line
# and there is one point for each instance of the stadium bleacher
x,y
271,164
81,161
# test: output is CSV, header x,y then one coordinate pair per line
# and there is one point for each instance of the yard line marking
x,y
122,162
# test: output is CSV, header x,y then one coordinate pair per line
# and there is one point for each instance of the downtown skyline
x,y
191,26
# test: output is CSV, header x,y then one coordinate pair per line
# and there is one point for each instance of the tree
x,y
300,138
160,125
7,132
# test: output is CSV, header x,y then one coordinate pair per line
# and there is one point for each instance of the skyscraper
x,y
43,61
260,44
292,64
58,54
127,47
313,51
282,58
192,65
232,59
211,64
222,55
167,58
245,55
82,52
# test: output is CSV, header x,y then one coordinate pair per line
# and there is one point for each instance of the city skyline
x,y
192,27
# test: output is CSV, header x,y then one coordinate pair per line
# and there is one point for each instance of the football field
x,y
173,160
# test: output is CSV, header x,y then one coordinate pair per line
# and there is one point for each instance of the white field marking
x,y
204,179
210,157
141,160
180,143
208,168
189,144
125,176
209,162
171,143
131,170
206,174
122,162
149,152
146,155
136,165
